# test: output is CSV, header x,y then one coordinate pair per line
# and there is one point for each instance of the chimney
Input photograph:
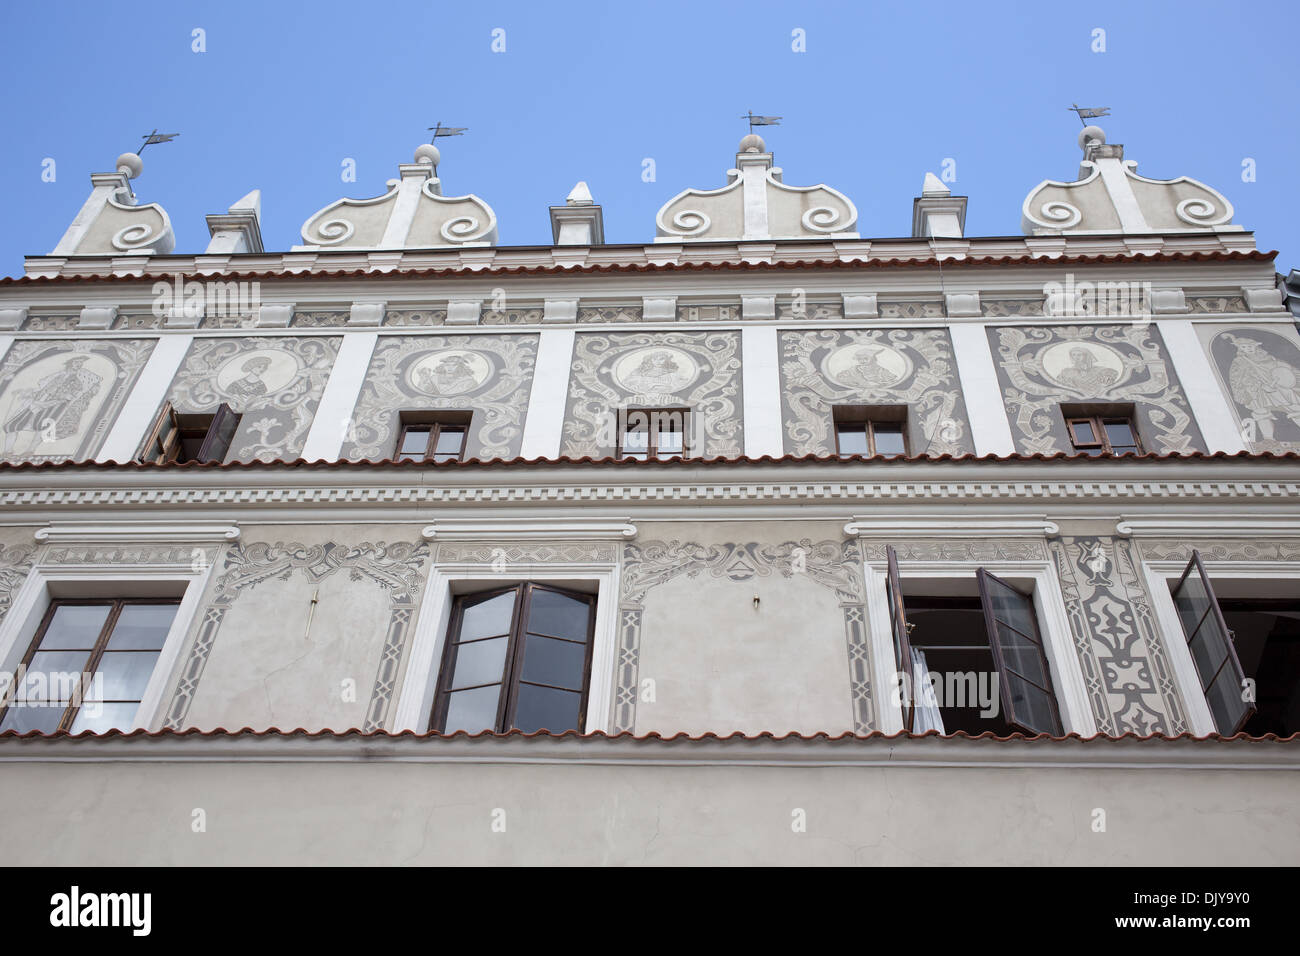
x,y
579,221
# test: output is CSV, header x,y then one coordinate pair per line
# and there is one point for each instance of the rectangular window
x,y
1103,434
426,438
516,658
870,430
969,643
646,433
89,665
185,437
1214,651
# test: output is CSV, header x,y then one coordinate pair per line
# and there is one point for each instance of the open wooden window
x,y
426,437
968,641
88,666
646,433
516,658
177,436
1103,434
1213,649
870,430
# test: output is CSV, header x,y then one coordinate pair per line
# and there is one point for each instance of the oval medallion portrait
x,y
1085,367
655,370
868,366
449,372
256,374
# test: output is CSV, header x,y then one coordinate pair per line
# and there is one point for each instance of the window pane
x,y
1083,432
122,675
1192,603
558,614
52,675
1209,648
142,627
75,625
542,708
548,661
853,439
98,718
635,442
889,439
1022,656
473,710
482,662
1225,698
21,719
487,618
415,441
1120,435
670,443
450,441
1013,608
1031,706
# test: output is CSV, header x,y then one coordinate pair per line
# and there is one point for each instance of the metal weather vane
x,y
155,137
755,120
1086,113
440,130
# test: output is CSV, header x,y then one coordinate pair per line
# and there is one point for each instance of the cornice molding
x,y
136,532
1212,526
529,528
951,526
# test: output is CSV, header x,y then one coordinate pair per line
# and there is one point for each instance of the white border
x,y
1063,659
415,699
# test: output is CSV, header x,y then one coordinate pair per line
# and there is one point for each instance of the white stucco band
x,y
543,428
989,427
762,389
1219,427
145,399
333,421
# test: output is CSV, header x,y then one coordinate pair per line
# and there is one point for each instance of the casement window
x,y
1246,652
1103,435
516,658
870,430
426,438
645,433
88,666
970,643
185,437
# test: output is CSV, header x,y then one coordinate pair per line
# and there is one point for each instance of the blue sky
x,y
286,91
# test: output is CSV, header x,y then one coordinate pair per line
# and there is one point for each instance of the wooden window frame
x,y
210,449
653,419
435,427
507,701
868,418
1098,423
991,622
91,666
870,426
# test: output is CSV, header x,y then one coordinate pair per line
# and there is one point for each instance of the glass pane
x,y
1022,656
449,441
98,718
122,675
1119,434
415,441
889,439
53,675
1192,602
75,625
1031,706
548,661
853,439
473,710
488,618
1083,432
558,614
142,627
1225,697
635,442
482,662
542,708
1011,607
1209,647
45,720
670,443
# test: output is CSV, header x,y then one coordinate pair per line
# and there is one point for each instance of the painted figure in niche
x,y
452,375
658,372
1084,374
1263,383
52,410
252,384
867,371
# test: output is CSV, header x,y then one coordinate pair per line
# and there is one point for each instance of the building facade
x,y
759,542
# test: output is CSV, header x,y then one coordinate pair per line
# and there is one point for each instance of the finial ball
x,y
1090,134
131,164
428,153
753,143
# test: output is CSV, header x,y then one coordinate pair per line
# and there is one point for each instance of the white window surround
x,y
1161,575
450,578
112,577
